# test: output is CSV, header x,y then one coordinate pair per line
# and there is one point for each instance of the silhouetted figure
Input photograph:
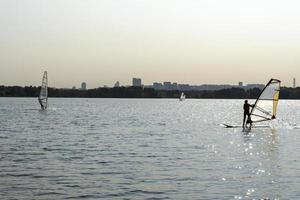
x,y
247,113
42,106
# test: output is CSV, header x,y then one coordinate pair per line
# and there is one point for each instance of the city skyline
x,y
169,85
194,41
116,83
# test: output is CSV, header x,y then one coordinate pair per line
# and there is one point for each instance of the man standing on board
x,y
247,113
42,106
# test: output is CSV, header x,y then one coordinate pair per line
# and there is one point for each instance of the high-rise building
x,y
294,82
136,82
83,86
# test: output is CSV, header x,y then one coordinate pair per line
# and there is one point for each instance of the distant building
x,y
167,85
158,86
294,82
211,87
174,86
117,84
83,86
148,86
251,86
136,82
184,87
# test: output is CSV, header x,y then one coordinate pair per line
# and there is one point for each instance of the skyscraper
x,y
136,82
83,86
294,82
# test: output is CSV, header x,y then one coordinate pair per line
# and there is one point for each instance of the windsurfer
x,y
247,113
41,103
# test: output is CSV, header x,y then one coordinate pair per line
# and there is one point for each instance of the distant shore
x,y
139,92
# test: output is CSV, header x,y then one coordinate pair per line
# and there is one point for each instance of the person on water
x,y
42,105
247,113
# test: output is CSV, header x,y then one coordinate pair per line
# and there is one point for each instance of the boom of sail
x,y
265,106
43,97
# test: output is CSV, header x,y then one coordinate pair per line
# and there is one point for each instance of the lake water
x,y
145,149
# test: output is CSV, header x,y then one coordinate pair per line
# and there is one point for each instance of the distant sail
x,y
182,97
43,98
265,107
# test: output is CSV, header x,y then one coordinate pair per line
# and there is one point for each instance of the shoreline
x,y
143,93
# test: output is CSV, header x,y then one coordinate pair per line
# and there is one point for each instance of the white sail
x,y
265,107
43,97
182,97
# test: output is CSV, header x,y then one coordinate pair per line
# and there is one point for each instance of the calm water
x,y
145,149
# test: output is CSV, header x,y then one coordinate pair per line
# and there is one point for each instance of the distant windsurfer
x,y
247,113
41,103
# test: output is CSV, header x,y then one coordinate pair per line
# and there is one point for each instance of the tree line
x,y
139,92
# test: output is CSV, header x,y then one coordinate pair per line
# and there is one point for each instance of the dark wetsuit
x,y
247,113
42,107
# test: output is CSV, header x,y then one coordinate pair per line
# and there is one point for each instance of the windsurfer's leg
x,y
250,121
244,119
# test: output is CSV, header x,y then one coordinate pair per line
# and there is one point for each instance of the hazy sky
x,y
186,41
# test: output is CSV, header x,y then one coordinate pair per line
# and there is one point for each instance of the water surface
x,y
145,149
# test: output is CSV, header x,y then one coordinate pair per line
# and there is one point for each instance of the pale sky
x,y
185,41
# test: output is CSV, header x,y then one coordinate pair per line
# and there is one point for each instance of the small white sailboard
x,y
182,97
